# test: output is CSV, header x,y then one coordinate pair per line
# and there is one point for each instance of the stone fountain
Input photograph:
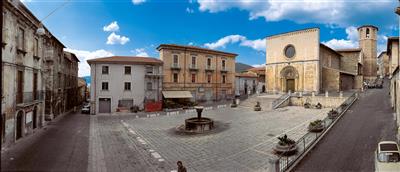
x,y
199,124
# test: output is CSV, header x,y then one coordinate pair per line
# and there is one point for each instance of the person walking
x,y
181,168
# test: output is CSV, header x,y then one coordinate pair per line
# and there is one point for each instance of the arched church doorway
x,y
289,76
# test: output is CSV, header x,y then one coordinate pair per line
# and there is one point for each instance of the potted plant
x,y
316,126
318,106
257,107
307,105
134,109
233,105
332,114
285,146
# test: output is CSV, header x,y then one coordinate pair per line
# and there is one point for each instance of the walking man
x,y
181,168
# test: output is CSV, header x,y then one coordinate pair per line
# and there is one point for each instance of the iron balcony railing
x,y
196,85
175,66
30,97
210,68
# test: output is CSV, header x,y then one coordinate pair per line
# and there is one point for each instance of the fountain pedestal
x,y
199,124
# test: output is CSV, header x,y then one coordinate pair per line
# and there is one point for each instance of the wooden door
x,y
290,85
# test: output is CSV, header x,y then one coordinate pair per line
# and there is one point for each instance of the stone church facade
x,y
298,62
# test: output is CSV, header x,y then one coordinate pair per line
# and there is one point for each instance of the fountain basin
x,y
199,125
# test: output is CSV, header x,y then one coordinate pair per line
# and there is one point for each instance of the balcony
x,y
224,70
193,67
28,98
174,86
209,68
175,66
153,75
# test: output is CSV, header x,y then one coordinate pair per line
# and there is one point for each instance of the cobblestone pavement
x,y
243,139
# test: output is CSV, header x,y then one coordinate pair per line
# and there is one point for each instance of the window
x,y
223,64
104,70
175,59
193,78
20,86
223,79
149,86
175,77
104,86
35,86
367,33
59,79
193,61
21,39
127,86
208,78
36,48
149,69
127,70
289,51
208,62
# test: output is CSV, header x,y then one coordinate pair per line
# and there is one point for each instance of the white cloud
x,y
83,56
191,43
117,39
137,2
258,44
141,52
189,10
258,65
330,12
351,41
112,27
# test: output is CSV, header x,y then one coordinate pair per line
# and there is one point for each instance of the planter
x,y
318,106
233,105
316,128
307,105
332,114
257,107
285,150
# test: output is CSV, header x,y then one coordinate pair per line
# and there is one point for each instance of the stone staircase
x,y
264,99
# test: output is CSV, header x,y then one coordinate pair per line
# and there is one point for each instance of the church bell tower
x,y
367,42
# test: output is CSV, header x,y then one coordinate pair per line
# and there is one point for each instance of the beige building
x,y
298,62
368,34
393,54
383,64
207,74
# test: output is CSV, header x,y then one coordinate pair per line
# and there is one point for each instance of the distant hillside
x,y
87,79
241,67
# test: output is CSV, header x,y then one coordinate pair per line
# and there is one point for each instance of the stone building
x,y
82,89
383,64
298,62
246,83
393,54
207,74
260,72
27,72
69,81
368,34
23,73
119,83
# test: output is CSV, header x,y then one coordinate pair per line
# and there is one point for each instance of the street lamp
x,y
41,31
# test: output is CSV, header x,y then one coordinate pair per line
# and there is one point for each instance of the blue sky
x,y
98,28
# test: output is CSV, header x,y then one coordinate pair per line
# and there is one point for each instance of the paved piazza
x,y
242,142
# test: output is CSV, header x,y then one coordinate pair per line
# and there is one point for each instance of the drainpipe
x,y
1,73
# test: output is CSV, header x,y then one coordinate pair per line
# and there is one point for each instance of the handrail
x,y
277,102
309,139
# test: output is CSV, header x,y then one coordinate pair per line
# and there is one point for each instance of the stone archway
x,y
19,125
289,79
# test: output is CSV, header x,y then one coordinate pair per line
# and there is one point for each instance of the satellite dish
x,y
40,31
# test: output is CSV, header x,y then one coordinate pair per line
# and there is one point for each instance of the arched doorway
x,y
19,125
34,116
289,75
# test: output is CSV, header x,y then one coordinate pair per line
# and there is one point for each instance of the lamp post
x,y
41,31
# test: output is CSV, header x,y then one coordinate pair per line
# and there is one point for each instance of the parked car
x,y
85,109
387,156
